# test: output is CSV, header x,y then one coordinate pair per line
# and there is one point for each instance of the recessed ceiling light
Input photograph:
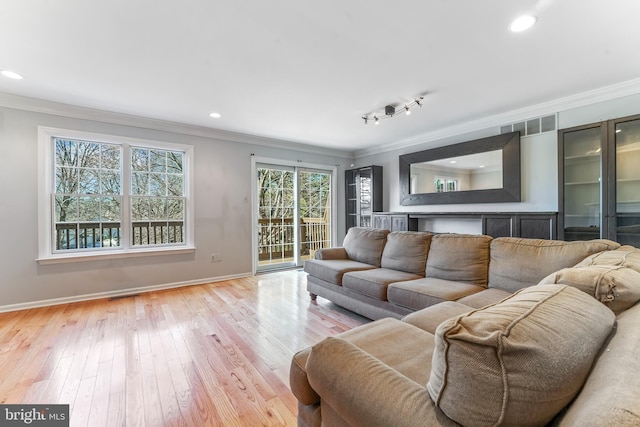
x,y
215,115
522,23
452,161
11,74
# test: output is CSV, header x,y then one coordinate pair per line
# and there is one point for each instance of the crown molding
x,y
606,93
37,105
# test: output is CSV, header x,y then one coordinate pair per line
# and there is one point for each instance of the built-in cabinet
x,y
599,181
363,195
533,225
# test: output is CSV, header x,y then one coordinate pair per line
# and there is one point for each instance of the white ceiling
x,y
307,71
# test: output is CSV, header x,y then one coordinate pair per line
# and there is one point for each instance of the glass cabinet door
x,y
627,143
364,184
582,151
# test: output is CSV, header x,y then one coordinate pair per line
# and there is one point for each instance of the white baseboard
x,y
118,293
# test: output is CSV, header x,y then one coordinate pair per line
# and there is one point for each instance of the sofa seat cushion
x,y
374,283
615,286
485,297
421,293
406,251
365,244
518,362
517,263
624,256
332,270
460,258
428,319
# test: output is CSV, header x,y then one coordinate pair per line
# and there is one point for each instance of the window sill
x,y
102,255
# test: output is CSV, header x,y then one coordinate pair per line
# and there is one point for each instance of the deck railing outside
x,y
107,234
276,237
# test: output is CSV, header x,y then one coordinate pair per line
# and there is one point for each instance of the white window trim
x,y
45,181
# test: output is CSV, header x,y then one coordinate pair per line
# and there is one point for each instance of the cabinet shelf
x,y
582,183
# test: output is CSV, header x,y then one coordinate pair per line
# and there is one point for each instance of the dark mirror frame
x,y
509,143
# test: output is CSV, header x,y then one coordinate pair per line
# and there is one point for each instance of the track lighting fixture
x,y
390,111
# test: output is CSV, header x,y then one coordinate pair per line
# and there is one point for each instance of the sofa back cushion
x,y
517,263
406,251
624,256
520,361
615,286
365,244
459,257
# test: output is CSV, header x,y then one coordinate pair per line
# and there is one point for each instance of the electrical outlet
x,y
216,257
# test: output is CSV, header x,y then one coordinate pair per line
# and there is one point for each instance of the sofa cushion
x,y
332,270
517,263
484,297
428,319
518,362
459,257
625,256
365,244
406,251
615,286
374,282
420,293
609,397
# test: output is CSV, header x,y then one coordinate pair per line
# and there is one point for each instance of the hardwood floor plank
x,y
215,354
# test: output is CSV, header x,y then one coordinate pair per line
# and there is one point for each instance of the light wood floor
x,y
209,355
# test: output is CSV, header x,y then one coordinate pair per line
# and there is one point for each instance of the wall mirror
x,y
485,170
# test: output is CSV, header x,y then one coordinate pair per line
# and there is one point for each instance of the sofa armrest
x,y
366,392
331,253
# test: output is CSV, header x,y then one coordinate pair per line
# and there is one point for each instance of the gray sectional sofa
x,y
378,273
509,332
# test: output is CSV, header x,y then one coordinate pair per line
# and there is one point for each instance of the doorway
x,y
293,214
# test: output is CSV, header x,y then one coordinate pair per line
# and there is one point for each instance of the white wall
x,y
222,213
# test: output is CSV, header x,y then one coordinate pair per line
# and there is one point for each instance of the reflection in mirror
x,y
479,171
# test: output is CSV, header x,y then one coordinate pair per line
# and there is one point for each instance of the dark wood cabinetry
x,y
529,225
534,225
363,195
599,181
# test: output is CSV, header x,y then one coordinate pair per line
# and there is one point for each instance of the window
x,y
111,196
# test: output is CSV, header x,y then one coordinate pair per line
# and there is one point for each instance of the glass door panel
x,y
582,177
627,136
276,225
314,200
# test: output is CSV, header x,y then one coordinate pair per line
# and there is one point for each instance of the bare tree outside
x,y
276,211
88,195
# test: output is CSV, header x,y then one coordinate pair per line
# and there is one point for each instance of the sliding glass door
x,y
293,214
